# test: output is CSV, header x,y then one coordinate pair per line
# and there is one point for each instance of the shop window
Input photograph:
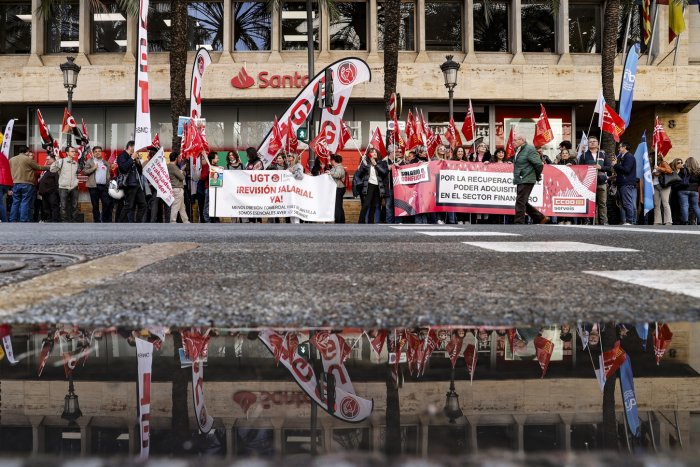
x,y
205,25
62,28
349,29
491,33
159,23
110,441
351,439
258,442
109,29
634,13
252,29
584,28
450,440
541,438
16,439
538,27
62,440
494,437
407,26
16,33
298,441
443,25
294,26
585,437
409,439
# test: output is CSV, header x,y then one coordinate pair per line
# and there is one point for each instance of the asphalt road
x,y
353,275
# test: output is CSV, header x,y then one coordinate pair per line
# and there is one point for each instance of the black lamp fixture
x,y
70,71
452,410
449,70
71,408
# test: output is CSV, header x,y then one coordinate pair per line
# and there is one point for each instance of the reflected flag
x,y
643,333
471,356
662,340
629,398
378,341
544,349
613,359
454,347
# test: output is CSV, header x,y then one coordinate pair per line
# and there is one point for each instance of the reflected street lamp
x,y
452,410
71,408
70,71
449,71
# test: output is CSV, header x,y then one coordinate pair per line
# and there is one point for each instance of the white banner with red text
x,y
144,353
142,131
201,62
156,172
204,420
475,187
264,193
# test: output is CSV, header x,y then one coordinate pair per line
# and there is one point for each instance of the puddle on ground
x,y
294,393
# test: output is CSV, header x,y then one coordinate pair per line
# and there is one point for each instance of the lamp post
x,y
70,71
71,408
452,410
449,71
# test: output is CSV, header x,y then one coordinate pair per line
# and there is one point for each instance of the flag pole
x,y
476,348
678,37
653,31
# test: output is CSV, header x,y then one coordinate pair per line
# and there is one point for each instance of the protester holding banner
x,y
337,173
97,170
23,168
254,161
177,179
662,191
67,170
393,157
625,166
372,173
135,200
603,162
688,194
527,170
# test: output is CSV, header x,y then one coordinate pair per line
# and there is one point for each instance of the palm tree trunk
x,y
392,20
178,65
611,20
180,420
609,337
392,439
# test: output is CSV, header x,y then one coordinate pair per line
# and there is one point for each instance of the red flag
x,y
511,339
396,346
410,128
453,347
544,349
292,143
56,149
412,350
377,342
276,140
452,135
471,356
469,126
345,135
543,131
46,348
392,106
320,146
418,134
510,148
292,342
196,345
43,128
85,132
69,124
612,123
661,141
277,343
396,137
156,141
193,145
429,345
69,363
613,359
432,144
377,142
345,349
662,340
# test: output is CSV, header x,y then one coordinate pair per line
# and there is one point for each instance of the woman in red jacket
x,y
5,186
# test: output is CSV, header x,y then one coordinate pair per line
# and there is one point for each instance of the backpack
x,y
356,184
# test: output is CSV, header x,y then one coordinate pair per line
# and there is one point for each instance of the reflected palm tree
x,y
252,26
608,338
349,30
205,22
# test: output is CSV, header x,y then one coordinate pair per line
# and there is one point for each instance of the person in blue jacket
x,y
626,169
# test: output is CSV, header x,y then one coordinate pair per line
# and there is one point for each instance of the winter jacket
x,y
177,176
91,172
238,166
382,171
130,167
48,183
601,158
256,164
5,172
693,180
338,175
528,165
626,169
67,170
23,168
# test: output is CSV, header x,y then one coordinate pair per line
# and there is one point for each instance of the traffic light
x,y
304,351
328,89
303,134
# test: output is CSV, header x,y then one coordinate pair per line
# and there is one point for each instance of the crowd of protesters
x,y
49,193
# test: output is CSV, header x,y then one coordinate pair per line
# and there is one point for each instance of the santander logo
x,y
243,80
245,398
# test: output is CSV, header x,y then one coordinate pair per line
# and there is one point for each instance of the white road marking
x,y
639,229
423,227
467,233
546,247
682,281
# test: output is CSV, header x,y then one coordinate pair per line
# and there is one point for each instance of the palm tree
x,y
608,338
611,18
178,65
392,24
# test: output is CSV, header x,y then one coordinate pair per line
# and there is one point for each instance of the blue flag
x,y
643,333
627,89
641,156
629,398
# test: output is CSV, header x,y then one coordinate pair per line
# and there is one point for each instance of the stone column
x,y
132,31
423,427
275,40
38,37
420,32
562,32
519,432
230,426
324,34
470,56
134,436
565,432
84,36
37,434
472,421
227,45
516,28
277,424
85,435
373,43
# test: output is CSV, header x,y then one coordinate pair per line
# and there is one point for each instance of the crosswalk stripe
x,y
640,229
682,281
546,247
423,227
467,233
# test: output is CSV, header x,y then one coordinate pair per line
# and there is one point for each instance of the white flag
x,y
582,146
7,138
144,354
600,109
600,373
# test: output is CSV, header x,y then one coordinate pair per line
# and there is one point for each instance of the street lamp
x,y
449,70
70,71
452,410
71,408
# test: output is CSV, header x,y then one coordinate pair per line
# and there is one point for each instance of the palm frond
x,y
131,7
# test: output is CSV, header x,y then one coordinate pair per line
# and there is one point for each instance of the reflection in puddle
x,y
420,392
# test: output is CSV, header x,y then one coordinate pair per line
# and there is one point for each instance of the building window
x,y
62,31
109,29
407,26
443,25
635,31
349,29
491,27
252,29
205,25
584,28
294,26
538,27
159,23
16,33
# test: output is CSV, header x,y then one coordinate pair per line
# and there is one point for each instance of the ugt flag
x,y
627,89
629,398
641,155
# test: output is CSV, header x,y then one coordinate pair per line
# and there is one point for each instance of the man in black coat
x,y
603,163
130,165
48,189
373,174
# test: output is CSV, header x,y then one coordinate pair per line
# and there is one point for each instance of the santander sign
x,y
244,81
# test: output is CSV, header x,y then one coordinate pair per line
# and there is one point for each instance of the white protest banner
x,y
347,73
204,420
142,131
7,138
331,348
201,62
348,407
144,353
262,193
156,172
331,119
